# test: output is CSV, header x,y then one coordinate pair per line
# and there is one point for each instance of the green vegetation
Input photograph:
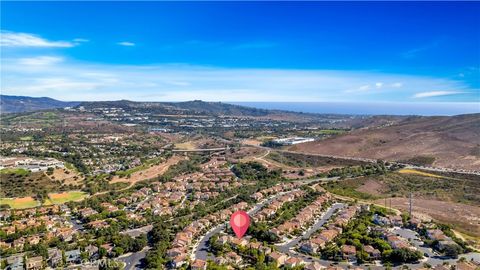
x,y
145,165
26,138
100,183
420,160
165,228
253,171
256,258
395,184
184,166
342,188
21,182
19,203
70,196
358,234
15,172
305,160
378,168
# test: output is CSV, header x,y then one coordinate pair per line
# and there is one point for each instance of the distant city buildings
x,y
31,164
293,140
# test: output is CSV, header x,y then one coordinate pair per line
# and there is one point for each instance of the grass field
x,y
185,145
15,171
412,171
20,203
70,196
26,138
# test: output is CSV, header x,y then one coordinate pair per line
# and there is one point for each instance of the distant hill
x,y
17,104
196,107
444,141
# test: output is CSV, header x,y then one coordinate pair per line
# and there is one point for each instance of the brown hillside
x,y
447,141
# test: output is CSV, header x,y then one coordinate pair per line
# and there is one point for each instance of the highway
x,y
369,160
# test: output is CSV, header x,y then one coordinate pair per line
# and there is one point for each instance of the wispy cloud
x,y
126,44
69,80
412,53
14,39
80,40
437,94
40,61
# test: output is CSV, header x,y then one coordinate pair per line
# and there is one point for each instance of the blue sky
x,y
242,51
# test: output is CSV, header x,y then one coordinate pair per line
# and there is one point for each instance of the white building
x,y
293,140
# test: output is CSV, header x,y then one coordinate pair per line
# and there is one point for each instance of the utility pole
x,y
410,206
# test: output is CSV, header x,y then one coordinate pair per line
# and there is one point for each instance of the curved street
x,y
200,251
315,227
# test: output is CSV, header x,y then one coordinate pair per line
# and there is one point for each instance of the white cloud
x,y
69,80
81,40
13,39
378,85
40,61
397,84
126,43
436,94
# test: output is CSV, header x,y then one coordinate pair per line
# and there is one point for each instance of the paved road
x,y
77,224
433,258
138,231
133,260
406,233
292,243
438,169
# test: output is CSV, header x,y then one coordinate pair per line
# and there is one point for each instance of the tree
x,y
405,255
452,250
50,170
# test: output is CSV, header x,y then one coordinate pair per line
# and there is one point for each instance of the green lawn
x,y
70,196
20,203
26,138
16,171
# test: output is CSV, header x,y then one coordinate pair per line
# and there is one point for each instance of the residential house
x,y
349,252
293,262
15,262
198,265
179,261
72,256
314,266
278,258
233,258
54,257
374,253
34,263
309,247
92,251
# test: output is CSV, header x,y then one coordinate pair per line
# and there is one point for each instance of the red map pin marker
x,y
240,222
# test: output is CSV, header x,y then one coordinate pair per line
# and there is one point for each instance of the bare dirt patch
x,y
450,141
148,173
252,142
372,187
65,176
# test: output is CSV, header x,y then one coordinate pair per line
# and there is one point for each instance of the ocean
x,y
370,108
